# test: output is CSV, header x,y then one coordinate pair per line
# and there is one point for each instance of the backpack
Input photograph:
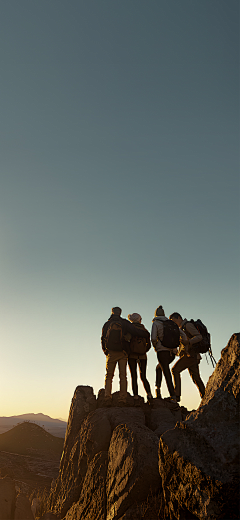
x,y
113,340
204,345
138,345
171,334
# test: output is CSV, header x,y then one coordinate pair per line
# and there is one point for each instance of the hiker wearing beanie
x,y
116,333
165,340
137,356
189,359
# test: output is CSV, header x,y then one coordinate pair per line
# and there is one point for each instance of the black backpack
x,y
113,340
204,345
171,334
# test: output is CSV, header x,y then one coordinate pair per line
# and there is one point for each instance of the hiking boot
x,y
171,400
149,397
158,393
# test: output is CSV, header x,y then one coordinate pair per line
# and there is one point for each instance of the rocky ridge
x,y
114,457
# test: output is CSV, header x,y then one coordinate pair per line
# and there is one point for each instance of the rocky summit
x,y
116,461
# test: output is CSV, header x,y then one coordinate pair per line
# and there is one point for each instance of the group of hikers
x,y
128,341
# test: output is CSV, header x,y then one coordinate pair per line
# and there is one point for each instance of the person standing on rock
x,y
165,340
116,333
188,358
138,356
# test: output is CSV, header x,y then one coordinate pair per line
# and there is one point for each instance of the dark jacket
x,y
127,328
134,355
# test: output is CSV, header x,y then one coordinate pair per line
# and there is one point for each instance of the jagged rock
x,y
91,429
132,468
199,459
23,508
161,420
92,502
7,498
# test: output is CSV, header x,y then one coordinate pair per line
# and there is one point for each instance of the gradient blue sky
x,y
119,183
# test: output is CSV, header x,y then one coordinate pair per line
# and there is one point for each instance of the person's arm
x,y
183,337
135,331
154,336
103,338
148,344
196,337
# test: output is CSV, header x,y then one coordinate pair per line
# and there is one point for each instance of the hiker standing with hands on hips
x,y
165,339
115,346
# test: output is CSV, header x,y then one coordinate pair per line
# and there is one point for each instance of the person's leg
x,y
143,376
122,366
158,381
183,363
195,375
133,370
164,359
110,369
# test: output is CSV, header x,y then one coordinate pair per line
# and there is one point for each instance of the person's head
x,y
135,318
116,311
177,318
159,311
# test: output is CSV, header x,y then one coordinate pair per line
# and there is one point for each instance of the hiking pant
x,y
142,363
192,364
113,358
165,358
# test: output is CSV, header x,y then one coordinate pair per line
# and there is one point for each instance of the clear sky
x,y
119,184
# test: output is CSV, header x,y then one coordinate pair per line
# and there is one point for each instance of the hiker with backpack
x,y
115,345
189,352
165,339
138,356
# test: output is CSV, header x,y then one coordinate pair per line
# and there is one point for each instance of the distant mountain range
x,y
54,426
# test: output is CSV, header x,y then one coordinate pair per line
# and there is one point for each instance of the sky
x,y
119,184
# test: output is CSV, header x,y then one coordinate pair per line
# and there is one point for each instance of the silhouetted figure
x,y
138,356
115,346
165,340
188,358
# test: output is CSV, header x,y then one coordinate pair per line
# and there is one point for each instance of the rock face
x,y
110,457
114,467
199,458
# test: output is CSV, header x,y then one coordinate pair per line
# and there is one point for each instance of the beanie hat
x,y
135,317
159,311
117,311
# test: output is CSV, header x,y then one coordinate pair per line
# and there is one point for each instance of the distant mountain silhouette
x,y
30,439
56,427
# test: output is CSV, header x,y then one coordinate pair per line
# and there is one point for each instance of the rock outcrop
x,y
199,458
120,462
110,457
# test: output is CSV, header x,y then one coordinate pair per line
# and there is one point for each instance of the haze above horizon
x,y
119,184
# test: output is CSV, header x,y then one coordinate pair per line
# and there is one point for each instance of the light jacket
x,y
157,334
193,336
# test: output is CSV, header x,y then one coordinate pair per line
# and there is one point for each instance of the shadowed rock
x,y
199,459
23,508
132,464
7,498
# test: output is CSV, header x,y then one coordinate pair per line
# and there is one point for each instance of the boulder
x,y
23,508
199,458
132,468
7,498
